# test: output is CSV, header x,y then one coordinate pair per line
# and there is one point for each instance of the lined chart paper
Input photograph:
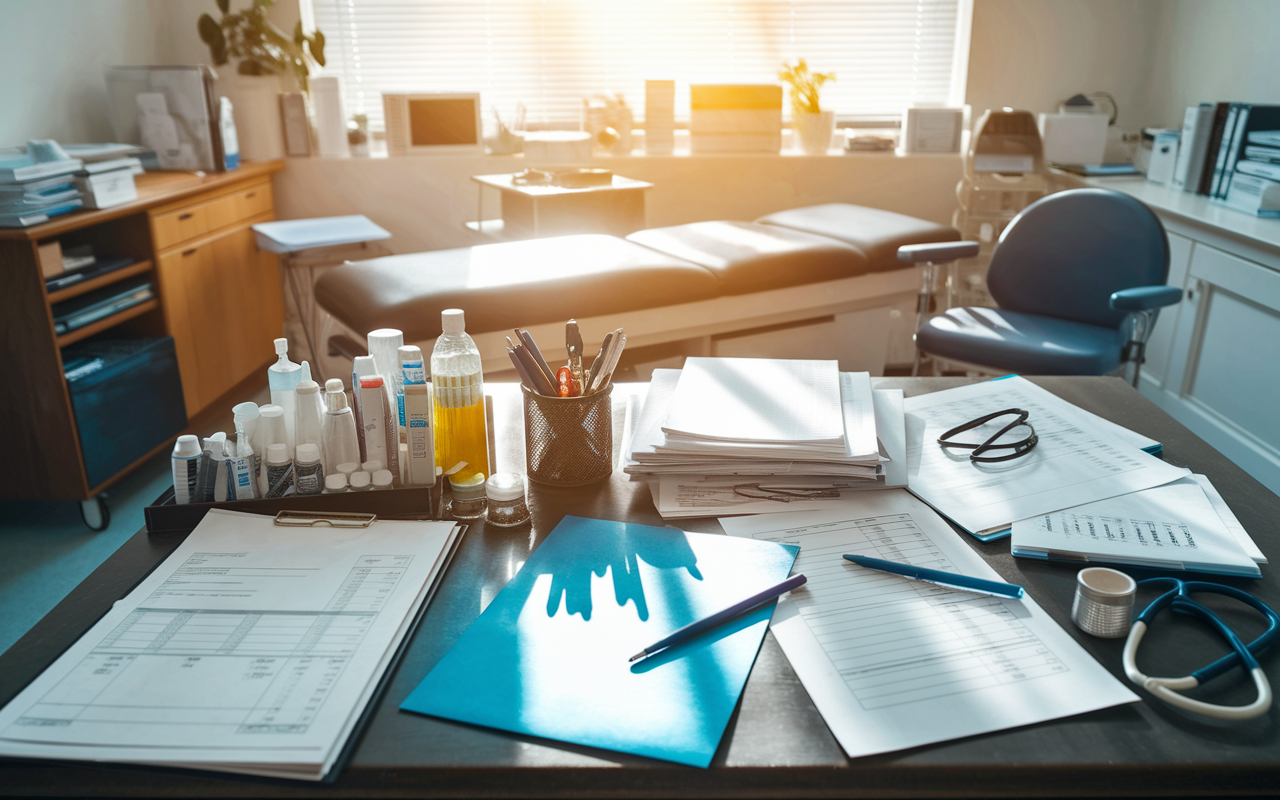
x,y
893,663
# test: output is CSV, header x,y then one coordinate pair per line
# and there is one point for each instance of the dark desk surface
x,y
776,743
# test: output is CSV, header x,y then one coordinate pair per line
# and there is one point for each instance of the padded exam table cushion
x,y
877,233
513,283
748,257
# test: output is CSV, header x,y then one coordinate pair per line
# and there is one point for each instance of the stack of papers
x,y
33,191
734,435
253,648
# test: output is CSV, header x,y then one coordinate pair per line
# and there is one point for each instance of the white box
x,y
932,130
1164,155
107,189
1074,138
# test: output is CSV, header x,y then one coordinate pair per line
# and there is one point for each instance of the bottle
x,y
335,484
186,468
468,498
283,378
271,431
250,415
338,429
361,481
279,469
308,472
242,481
461,435
310,414
507,506
384,345
382,479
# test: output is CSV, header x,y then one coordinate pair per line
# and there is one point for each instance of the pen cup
x,y
568,441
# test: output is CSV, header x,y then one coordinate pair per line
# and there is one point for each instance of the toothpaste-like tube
x,y
381,434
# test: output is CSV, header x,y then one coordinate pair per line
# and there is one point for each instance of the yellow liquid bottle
x,y
461,427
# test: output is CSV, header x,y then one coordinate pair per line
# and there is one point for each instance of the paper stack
x,y
107,177
734,435
36,184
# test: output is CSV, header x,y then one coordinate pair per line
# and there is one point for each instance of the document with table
x,y
892,663
253,648
1079,459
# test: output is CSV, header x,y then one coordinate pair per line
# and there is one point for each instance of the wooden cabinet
x,y
216,295
221,297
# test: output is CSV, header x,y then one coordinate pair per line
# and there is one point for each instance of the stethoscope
x,y
1167,689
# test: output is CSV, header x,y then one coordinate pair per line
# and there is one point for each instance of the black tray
x,y
423,502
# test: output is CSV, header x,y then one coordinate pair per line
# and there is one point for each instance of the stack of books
x,y
1230,152
725,431
32,191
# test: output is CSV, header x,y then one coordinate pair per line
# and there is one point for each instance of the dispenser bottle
x,y
338,429
283,378
310,414
461,430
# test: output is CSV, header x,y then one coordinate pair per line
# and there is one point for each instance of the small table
x,y
531,211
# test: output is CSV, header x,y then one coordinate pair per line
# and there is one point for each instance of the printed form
x,y
893,663
252,648
1079,458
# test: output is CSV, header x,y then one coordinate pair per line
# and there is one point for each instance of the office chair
x,y
1079,278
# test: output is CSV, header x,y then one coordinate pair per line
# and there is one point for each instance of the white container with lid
x,y
507,506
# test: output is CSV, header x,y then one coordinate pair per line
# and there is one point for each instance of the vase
x,y
255,104
814,131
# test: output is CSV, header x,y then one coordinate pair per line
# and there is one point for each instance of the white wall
x,y
52,53
1210,51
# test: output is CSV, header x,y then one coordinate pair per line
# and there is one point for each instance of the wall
x,y
52,53
1033,54
1210,51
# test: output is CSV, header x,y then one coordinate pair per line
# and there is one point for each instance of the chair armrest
x,y
1144,298
937,252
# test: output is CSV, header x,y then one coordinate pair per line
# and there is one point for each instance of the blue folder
x,y
548,657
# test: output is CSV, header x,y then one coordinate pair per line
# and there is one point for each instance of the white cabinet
x,y
1214,359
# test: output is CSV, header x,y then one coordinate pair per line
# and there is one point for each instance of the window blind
x,y
550,54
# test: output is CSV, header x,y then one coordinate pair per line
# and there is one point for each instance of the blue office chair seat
x,y
1079,279
1026,343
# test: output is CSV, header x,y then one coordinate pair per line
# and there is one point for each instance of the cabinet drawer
x,y
181,225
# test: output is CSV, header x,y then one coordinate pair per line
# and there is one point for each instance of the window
x,y
549,54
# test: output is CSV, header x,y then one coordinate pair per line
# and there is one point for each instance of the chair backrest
x,y
1066,253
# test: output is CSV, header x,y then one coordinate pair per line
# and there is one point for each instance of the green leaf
x,y
209,30
316,45
298,36
224,6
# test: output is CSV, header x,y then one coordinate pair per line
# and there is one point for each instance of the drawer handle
x,y
250,194
187,215
186,253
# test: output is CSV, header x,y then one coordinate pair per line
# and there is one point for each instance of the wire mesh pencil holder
x,y
568,441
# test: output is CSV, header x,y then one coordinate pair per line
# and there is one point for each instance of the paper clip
x,y
334,519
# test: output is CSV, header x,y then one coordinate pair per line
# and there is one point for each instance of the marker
x,y
742,607
948,579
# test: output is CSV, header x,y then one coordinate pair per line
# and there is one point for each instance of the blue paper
x,y
548,657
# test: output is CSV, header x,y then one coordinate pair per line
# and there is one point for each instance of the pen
x,y
695,628
536,355
948,579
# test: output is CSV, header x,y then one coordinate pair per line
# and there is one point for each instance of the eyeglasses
x,y
1020,448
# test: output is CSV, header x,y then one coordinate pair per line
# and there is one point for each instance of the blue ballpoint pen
x,y
948,579
706,623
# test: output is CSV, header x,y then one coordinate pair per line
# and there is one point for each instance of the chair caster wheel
x,y
95,513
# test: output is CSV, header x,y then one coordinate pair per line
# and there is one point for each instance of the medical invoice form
x,y
1078,459
893,663
253,648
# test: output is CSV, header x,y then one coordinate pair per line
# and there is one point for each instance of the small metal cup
x,y
1104,602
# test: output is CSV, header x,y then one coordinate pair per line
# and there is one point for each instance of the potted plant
x,y
269,61
809,123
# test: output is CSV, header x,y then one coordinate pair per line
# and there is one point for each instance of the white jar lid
x,y
371,466
359,480
348,467
336,482
382,478
505,486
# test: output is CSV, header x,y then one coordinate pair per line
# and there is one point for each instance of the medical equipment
x,y
1179,599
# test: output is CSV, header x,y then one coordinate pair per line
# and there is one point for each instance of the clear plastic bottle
x,y
283,378
461,431
338,429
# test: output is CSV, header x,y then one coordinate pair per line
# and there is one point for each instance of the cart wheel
x,y
95,513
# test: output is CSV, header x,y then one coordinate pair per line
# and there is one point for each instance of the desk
x,y
776,743
533,210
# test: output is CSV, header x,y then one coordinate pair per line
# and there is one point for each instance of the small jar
x,y
468,499
507,507
348,467
382,479
335,483
360,481
371,466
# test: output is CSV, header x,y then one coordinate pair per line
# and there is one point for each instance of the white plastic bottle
x,y
186,468
310,414
338,429
461,430
283,378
